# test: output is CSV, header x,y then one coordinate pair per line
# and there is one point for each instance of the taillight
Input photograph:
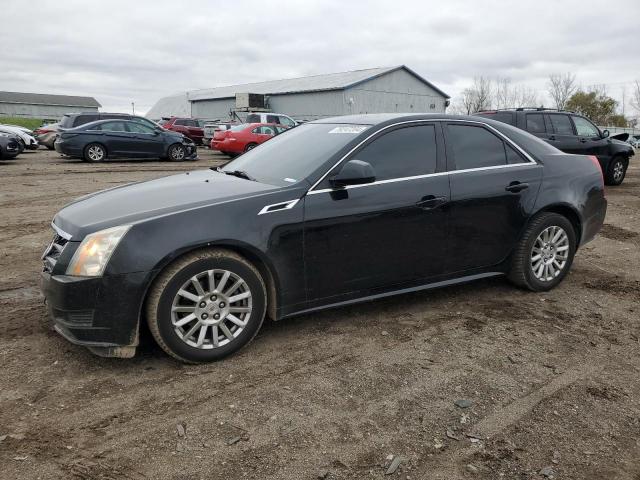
x,y
40,131
595,161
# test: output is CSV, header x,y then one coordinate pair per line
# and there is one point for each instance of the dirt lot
x,y
553,379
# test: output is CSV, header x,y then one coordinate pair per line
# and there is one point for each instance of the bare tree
x,y
483,93
561,87
635,95
508,95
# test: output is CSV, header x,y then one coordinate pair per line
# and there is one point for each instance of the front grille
x,y
53,251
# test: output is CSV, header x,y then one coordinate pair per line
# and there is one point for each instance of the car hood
x,y
136,202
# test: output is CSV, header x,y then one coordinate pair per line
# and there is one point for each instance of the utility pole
x,y
133,107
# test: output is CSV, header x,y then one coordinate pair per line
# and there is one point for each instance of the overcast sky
x,y
138,51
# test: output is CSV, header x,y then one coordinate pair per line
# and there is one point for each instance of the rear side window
x,y
113,127
535,123
405,152
82,119
561,124
475,147
273,119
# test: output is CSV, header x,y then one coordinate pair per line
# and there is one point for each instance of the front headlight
x,y
92,256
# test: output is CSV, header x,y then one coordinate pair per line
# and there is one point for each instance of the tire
x,y
94,152
523,273
177,153
250,146
616,172
186,342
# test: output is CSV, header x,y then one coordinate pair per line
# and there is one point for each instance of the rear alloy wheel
x,y
251,146
544,254
94,152
616,172
206,306
177,153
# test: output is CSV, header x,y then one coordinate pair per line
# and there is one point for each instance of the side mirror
x,y
605,133
354,172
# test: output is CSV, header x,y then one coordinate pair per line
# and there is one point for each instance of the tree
x,y
508,95
561,88
595,105
478,96
635,95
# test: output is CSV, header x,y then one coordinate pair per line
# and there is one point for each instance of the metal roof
x,y
46,99
315,83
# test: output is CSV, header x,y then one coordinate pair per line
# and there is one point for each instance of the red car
x,y
244,137
189,127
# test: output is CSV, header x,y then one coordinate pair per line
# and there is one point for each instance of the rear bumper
x,y
64,148
99,313
592,225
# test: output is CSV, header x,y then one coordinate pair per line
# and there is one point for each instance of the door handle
x,y
516,187
552,137
583,140
430,202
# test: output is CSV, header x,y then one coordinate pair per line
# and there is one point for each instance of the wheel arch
x,y
567,211
250,253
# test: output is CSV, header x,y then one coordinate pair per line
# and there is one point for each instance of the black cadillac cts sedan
x,y
332,212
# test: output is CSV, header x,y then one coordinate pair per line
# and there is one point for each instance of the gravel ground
x,y
476,381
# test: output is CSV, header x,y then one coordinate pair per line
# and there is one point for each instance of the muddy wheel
x,y
544,254
94,152
206,305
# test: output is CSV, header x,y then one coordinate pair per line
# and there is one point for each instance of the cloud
x,y
122,51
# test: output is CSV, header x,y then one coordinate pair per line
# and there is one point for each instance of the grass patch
x,y
30,123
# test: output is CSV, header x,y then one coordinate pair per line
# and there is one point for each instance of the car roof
x,y
379,118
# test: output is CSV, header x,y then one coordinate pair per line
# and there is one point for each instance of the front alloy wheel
x,y
177,153
617,172
206,305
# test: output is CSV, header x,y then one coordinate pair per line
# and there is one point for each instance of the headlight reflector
x,y
92,256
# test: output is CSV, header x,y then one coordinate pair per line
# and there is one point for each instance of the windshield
x,y
293,155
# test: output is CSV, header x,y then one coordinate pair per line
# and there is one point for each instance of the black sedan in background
x,y
9,147
97,141
332,212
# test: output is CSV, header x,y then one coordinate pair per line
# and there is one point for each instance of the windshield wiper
x,y
237,173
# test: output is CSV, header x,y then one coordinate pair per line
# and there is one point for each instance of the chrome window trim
x,y
288,205
391,180
60,232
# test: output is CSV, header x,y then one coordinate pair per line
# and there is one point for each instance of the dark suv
x,y
571,133
73,120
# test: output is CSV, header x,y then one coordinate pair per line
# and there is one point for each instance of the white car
x,y
28,140
264,117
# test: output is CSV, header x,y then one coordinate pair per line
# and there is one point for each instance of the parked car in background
x,y
97,141
277,118
46,135
571,133
334,212
27,140
9,147
210,128
189,127
244,137
634,141
73,120
15,138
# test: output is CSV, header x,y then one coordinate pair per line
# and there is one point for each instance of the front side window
x,y
535,123
114,127
253,118
136,127
180,122
273,119
404,152
286,121
561,124
585,128
475,147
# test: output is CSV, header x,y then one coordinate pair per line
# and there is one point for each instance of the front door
x,y
562,135
146,142
363,239
590,139
119,141
493,190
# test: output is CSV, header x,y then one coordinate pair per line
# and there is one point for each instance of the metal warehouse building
x,y
374,90
38,105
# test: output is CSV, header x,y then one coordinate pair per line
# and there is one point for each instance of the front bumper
x,y
100,313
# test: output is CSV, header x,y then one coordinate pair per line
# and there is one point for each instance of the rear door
x,y
562,134
493,190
